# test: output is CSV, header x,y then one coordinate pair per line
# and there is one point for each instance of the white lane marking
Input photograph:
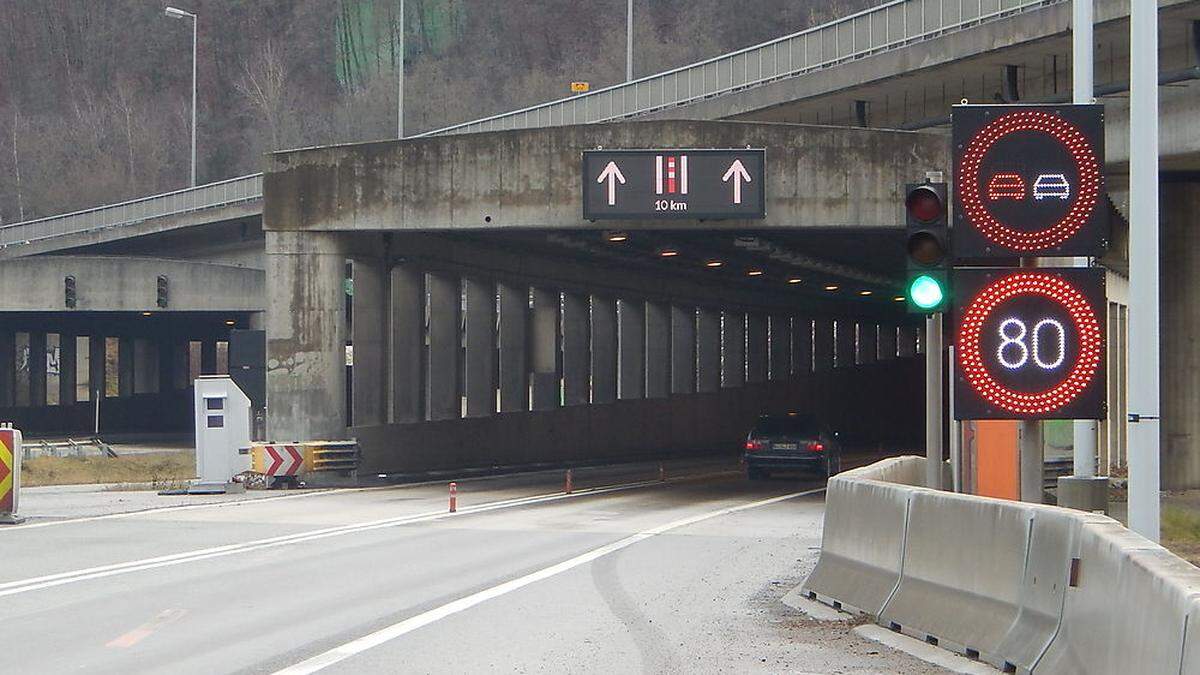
x,y
73,576
362,644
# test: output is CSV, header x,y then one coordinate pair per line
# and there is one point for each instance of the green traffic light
x,y
926,292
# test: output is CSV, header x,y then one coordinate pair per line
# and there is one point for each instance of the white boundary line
x,y
396,630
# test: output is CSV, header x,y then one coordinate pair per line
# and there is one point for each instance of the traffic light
x,y
162,291
927,244
69,298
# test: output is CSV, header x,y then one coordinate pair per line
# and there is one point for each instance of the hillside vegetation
x,y
95,94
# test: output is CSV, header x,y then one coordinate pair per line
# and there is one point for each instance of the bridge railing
x,y
887,26
210,195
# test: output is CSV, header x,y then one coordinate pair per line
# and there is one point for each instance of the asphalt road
x,y
640,576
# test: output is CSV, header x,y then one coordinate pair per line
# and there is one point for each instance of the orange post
x,y
453,497
569,485
997,463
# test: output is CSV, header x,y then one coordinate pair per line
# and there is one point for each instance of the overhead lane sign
x,y
674,184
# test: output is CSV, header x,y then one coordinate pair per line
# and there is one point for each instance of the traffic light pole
x,y
933,401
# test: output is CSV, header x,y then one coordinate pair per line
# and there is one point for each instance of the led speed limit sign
x,y
1029,344
1029,181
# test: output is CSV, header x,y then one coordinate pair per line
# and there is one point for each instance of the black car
x,y
792,442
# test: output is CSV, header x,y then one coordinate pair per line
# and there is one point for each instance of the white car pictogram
x,y
1050,186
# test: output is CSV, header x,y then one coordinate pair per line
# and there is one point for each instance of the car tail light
x,y
754,446
816,447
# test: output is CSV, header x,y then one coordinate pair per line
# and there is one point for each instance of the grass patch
x,y
161,470
1181,532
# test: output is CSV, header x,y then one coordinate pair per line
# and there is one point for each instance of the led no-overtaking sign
x,y
1028,181
1030,343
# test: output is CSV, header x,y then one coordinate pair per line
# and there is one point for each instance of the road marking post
x,y
662,473
569,482
453,497
10,474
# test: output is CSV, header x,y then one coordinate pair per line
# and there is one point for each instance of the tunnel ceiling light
x,y
230,322
864,293
754,273
616,237
794,280
713,263
146,313
668,252
898,298
831,287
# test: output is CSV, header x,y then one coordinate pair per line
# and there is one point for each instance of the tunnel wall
x,y
873,404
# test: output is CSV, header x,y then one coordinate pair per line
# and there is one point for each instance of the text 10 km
x,y
669,205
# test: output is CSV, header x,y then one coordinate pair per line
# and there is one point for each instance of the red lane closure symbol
x,y
281,455
1012,186
1079,375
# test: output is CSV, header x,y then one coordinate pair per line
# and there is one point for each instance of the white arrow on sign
x,y
611,174
737,171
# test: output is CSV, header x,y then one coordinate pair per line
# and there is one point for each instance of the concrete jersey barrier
x,y
1025,587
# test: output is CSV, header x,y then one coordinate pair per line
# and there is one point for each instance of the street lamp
x,y
629,40
176,13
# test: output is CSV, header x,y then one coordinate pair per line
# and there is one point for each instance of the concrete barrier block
x,y
862,544
964,563
1130,610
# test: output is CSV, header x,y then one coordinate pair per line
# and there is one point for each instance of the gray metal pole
x,y
1032,461
400,79
956,463
1144,439
1082,77
629,41
195,22
933,401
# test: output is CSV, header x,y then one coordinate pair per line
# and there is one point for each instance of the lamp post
x,y
176,13
400,79
629,40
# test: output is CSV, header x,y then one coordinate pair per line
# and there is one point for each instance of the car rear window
x,y
792,424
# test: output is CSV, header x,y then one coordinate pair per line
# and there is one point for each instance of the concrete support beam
x,y
683,350
96,366
480,363
37,369
631,349
868,342
906,341
780,350
368,327
708,351
844,334
66,369
658,350
604,349
822,345
407,336
127,364
733,349
575,354
8,367
801,345
514,362
306,336
445,301
543,339
887,343
145,366
756,348
1180,314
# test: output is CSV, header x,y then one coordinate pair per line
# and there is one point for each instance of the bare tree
x,y
264,84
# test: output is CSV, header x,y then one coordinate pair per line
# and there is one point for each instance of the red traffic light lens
x,y
924,205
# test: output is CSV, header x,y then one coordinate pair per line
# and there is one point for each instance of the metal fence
x,y
887,26
211,195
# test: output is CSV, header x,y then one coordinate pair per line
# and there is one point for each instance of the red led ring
x,y
1086,196
1086,325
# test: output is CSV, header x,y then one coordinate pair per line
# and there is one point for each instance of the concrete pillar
x,y
801,345
1180,317
631,349
868,342
66,369
906,341
514,331
576,358
8,367
445,301
683,350
604,349
658,350
368,330
306,336
37,369
843,341
543,340
822,345
145,366
480,360
887,343
407,336
756,348
780,349
733,349
127,364
708,351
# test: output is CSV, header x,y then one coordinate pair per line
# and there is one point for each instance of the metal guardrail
x,y
887,26
211,195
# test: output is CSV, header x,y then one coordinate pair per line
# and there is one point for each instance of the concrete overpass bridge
x,y
899,65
